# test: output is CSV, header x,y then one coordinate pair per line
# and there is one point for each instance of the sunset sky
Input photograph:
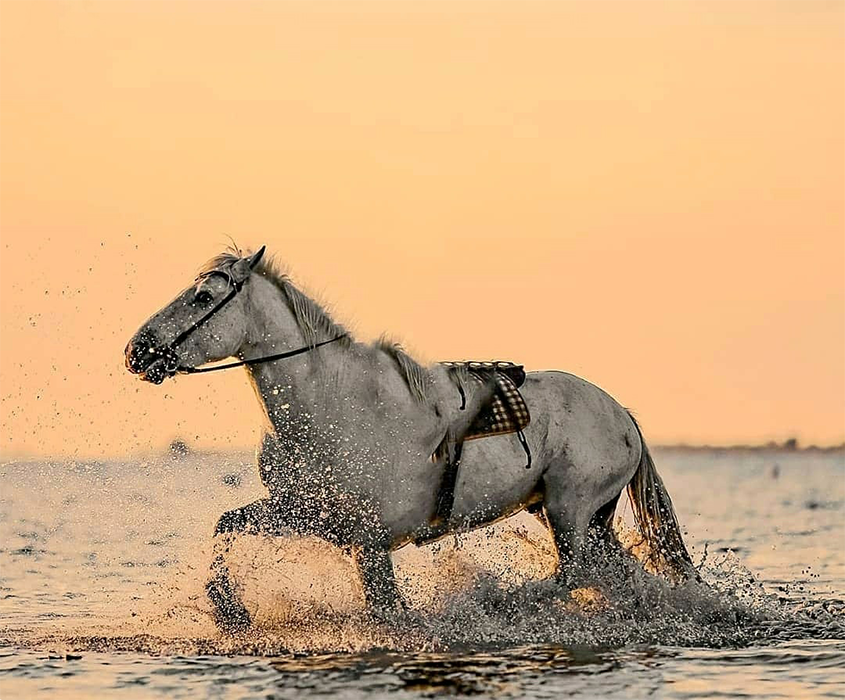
x,y
650,194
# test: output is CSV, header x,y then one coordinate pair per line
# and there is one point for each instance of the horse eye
x,y
203,298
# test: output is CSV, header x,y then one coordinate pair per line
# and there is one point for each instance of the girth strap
x,y
451,451
446,497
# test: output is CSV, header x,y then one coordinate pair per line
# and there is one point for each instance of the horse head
x,y
206,322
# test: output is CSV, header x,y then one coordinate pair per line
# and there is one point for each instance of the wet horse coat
x,y
350,430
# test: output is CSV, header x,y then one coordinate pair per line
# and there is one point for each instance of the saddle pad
x,y
506,413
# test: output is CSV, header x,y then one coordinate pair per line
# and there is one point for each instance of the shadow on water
x,y
449,674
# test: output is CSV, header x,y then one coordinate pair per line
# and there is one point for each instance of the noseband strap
x,y
171,358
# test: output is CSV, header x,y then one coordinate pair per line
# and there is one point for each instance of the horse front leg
x,y
380,590
229,612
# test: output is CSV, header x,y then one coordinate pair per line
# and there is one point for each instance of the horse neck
x,y
298,392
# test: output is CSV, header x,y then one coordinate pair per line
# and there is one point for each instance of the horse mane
x,y
312,320
415,375
315,323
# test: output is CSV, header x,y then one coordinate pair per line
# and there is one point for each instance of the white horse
x,y
352,430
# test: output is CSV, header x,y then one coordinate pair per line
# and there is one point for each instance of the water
x,y
101,593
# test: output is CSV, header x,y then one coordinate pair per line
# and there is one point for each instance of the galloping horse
x,y
352,431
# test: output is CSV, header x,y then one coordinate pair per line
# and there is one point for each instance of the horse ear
x,y
242,268
255,258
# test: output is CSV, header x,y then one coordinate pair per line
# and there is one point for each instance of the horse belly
x,y
493,481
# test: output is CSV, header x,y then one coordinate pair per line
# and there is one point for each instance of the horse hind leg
x,y
600,530
583,541
582,533
569,532
603,552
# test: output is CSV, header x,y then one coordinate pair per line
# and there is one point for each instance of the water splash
x,y
485,590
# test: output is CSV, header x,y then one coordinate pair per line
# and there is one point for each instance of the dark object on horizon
x,y
179,450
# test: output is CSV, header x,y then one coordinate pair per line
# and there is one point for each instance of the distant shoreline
x,y
179,451
787,447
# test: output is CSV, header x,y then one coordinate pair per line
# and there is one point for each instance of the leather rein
x,y
171,358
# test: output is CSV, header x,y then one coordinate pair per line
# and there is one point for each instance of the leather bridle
x,y
171,357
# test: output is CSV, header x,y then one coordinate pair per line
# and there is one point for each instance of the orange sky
x,y
648,194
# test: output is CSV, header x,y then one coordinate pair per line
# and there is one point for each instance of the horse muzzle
x,y
158,371
153,364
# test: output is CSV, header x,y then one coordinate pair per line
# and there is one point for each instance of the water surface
x,y
102,567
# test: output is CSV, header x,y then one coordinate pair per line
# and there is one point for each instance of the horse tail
x,y
656,519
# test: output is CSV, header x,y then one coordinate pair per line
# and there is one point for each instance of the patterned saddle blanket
x,y
506,413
